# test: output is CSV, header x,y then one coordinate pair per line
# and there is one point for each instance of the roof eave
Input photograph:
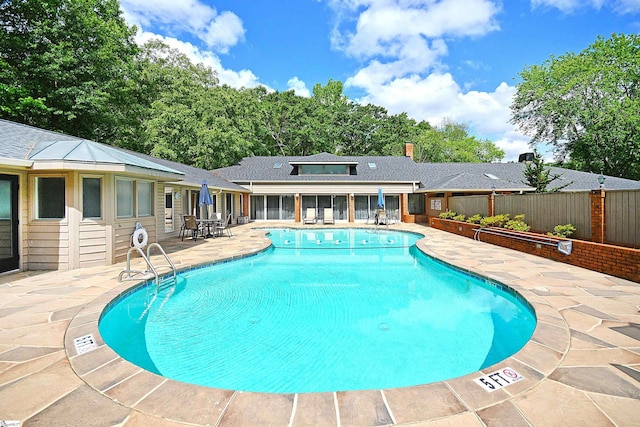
x,y
216,187
472,190
107,167
16,163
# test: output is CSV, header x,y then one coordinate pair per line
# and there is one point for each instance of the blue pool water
x,y
323,310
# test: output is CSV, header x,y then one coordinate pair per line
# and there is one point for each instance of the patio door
x,y
8,223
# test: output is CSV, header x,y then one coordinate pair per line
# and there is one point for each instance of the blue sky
x,y
433,59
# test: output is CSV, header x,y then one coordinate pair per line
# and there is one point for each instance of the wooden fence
x,y
622,217
470,205
544,211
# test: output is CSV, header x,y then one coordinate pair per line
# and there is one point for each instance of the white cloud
x,y
384,27
627,6
568,6
438,97
236,79
299,87
402,43
218,31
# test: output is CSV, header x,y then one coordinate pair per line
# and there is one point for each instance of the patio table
x,y
209,222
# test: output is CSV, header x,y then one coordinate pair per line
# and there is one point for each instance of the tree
x,y
67,65
538,176
191,118
587,106
451,142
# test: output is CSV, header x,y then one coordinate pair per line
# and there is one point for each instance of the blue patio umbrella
x,y
380,198
205,201
205,197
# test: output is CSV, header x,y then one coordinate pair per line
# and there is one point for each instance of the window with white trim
x,y
50,197
124,198
91,197
144,191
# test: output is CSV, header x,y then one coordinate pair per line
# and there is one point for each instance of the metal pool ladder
x,y
137,246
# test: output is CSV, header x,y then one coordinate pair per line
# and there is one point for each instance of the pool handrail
x,y
564,246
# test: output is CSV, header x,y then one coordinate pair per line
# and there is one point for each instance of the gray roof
x,y
433,177
195,176
282,169
506,176
23,142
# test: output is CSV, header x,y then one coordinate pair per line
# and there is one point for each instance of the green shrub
x,y
562,230
494,221
517,224
459,217
447,215
475,219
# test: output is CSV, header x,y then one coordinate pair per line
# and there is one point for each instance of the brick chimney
x,y
408,150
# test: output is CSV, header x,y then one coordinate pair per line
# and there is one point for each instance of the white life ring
x,y
140,232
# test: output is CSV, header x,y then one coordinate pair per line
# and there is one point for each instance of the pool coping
x,y
129,385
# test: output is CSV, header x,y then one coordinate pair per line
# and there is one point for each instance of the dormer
x,y
323,164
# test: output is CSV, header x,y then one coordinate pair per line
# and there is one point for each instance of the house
x,y
67,202
282,188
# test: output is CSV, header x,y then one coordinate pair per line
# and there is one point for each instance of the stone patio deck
x,y
581,367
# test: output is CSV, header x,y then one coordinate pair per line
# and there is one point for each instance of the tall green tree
x,y
587,105
331,111
289,124
191,118
67,65
452,142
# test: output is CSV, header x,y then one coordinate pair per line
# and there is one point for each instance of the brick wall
x,y
608,259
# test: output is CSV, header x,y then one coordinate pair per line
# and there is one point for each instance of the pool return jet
x,y
139,240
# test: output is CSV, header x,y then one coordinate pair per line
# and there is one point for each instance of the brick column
x,y
297,207
245,205
492,205
598,228
352,208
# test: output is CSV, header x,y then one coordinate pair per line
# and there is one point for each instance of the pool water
x,y
323,310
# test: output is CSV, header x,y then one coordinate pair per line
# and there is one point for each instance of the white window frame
x,y
36,198
101,178
133,197
151,195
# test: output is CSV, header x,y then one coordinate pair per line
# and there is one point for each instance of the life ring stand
x,y
139,238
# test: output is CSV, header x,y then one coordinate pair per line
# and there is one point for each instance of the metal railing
x,y
138,274
564,246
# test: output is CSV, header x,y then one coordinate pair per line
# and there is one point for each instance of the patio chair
x,y
224,226
183,227
328,216
310,217
190,224
393,218
382,217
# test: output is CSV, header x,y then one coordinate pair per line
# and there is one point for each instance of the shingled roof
x,y
284,169
452,177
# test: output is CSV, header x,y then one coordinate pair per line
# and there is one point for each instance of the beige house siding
x,y
23,217
48,245
92,244
178,210
124,229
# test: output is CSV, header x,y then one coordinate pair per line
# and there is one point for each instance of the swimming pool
x,y
323,310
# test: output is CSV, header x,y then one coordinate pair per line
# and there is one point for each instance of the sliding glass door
x,y
9,259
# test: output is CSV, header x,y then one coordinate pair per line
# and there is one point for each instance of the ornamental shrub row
x,y
504,221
